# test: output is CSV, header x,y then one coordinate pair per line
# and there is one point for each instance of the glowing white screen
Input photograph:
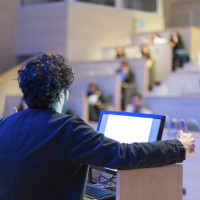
x,y
128,129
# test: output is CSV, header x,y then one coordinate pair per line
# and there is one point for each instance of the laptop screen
x,y
128,128
131,127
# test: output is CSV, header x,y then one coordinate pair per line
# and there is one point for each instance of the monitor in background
x,y
131,127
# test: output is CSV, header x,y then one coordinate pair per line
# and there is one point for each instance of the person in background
x,y
146,54
136,105
180,55
126,74
127,80
154,38
45,153
120,53
95,100
157,39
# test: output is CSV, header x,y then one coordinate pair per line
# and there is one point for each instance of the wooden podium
x,y
161,183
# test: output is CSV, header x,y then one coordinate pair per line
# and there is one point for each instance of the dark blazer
x,y
45,155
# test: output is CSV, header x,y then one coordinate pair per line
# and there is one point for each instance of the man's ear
x,y
61,96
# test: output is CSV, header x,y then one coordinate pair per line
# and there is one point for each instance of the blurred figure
x,y
22,105
157,39
176,40
126,74
154,38
136,105
146,54
180,55
95,100
120,53
128,82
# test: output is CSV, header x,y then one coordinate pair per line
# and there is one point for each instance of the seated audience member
x,y
157,39
22,105
180,55
146,54
136,105
126,74
154,37
128,82
120,53
95,100
45,153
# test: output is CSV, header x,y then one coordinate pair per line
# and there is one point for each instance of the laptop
x,y
126,127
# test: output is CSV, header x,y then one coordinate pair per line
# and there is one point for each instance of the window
x,y
102,2
143,5
32,2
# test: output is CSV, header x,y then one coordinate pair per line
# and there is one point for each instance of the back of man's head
x,y
42,78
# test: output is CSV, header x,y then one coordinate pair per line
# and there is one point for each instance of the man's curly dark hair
x,y
42,78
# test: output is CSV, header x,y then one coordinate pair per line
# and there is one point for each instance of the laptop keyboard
x,y
95,192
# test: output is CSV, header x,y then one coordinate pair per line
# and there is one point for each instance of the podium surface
x,y
160,183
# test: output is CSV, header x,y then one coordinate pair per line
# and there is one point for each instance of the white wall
x,y
185,13
184,83
168,11
41,28
8,30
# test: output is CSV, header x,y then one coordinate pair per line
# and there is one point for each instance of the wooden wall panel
x,y
41,28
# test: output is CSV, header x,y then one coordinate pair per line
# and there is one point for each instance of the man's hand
x,y
14,110
186,138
